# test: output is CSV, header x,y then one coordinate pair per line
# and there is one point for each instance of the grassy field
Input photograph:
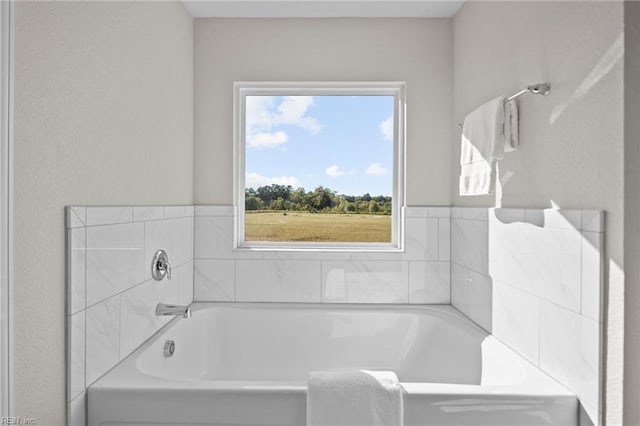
x,y
299,226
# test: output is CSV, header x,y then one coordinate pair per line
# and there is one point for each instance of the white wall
x,y
631,209
417,51
571,151
104,112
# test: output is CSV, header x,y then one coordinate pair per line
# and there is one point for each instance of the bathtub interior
x,y
284,343
232,356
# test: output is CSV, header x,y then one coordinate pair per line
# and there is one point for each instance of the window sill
x,y
320,247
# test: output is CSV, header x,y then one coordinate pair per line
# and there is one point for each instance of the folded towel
x,y
511,140
482,144
354,398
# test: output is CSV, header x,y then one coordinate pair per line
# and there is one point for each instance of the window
x,y
319,165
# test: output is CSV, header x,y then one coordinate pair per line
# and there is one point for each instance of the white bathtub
x,y
247,364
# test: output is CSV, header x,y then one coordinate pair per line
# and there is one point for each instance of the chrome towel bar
x,y
536,89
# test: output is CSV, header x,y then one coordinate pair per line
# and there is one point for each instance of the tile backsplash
x,y
418,275
111,297
533,278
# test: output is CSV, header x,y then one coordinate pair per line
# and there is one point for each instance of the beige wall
x,y
571,151
104,111
417,51
632,218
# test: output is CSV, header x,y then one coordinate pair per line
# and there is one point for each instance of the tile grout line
x,y
131,288
540,298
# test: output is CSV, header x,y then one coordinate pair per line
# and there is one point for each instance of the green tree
x,y
321,198
252,203
284,197
277,204
281,191
265,193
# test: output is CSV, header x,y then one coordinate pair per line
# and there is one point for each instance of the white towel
x,y
354,398
482,144
511,140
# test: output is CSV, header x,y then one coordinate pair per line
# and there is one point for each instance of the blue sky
x,y
341,142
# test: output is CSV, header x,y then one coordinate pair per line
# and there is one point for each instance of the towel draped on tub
x,y
354,398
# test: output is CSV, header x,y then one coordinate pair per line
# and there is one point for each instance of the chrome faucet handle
x,y
167,267
160,266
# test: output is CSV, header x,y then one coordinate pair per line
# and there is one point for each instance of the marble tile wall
x,y
533,278
418,275
111,297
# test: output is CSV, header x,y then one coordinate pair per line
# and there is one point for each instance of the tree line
x,y
320,200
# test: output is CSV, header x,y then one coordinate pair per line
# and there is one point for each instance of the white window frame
x,y
395,89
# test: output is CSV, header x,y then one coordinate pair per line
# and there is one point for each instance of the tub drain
x,y
169,348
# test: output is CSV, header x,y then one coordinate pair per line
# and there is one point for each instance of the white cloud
x,y
386,127
266,140
293,110
258,111
255,180
376,169
334,171
262,115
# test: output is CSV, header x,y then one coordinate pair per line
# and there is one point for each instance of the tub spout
x,y
164,309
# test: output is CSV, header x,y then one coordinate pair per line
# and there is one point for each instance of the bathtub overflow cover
x,y
169,348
